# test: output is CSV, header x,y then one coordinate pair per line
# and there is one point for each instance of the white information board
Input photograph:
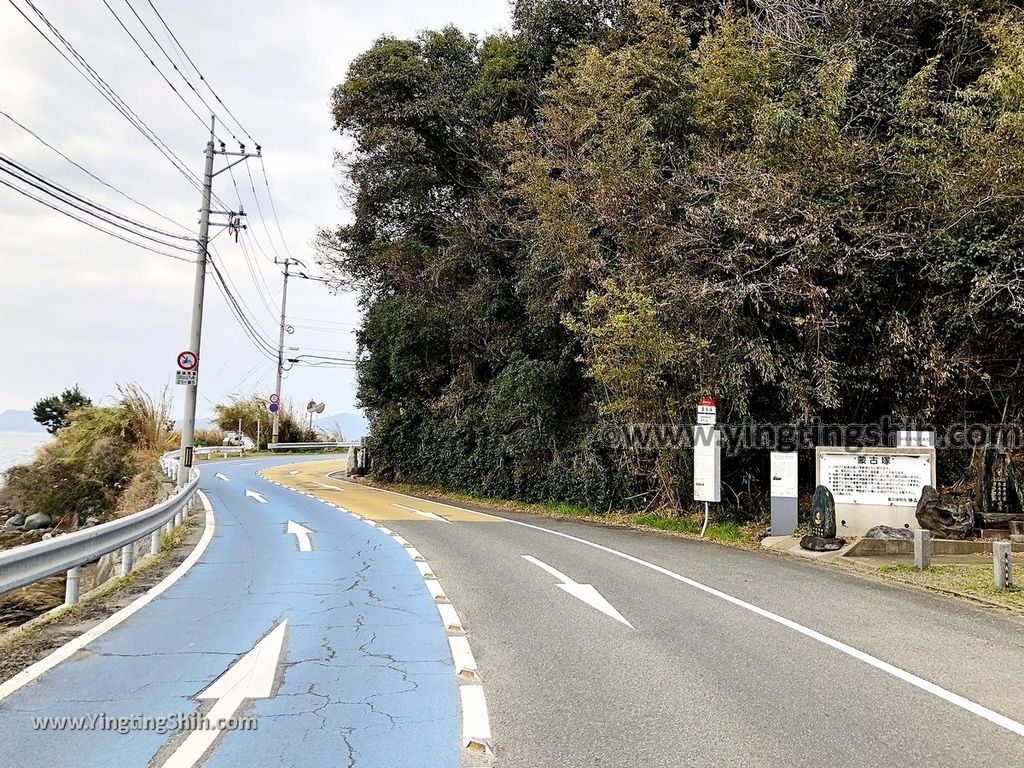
x,y
876,476
784,474
707,464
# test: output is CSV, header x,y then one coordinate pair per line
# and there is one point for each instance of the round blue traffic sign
x,y
273,407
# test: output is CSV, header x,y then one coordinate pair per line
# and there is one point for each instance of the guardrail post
x,y
127,558
154,542
922,549
1002,565
72,586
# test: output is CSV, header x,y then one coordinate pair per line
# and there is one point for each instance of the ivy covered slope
x,y
809,210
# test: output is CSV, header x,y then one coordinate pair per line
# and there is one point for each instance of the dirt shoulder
x,y
25,645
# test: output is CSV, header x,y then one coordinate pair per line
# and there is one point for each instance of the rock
x,y
953,520
47,535
823,514
14,522
37,521
888,532
91,521
820,544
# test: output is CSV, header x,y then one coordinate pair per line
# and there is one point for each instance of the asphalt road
x,y
364,675
700,680
594,647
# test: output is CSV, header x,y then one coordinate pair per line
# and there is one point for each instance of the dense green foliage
x,y
810,210
52,412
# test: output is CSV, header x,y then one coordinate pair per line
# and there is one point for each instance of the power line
x,y
262,345
92,175
266,181
68,193
62,197
94,226
198,95
198,72
105,90
263,220
164,77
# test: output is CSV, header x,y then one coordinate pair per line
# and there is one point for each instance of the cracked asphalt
x,y
366,677
698,681
701,681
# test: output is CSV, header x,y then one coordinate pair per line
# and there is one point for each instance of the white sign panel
x,y
879,479
707,464
911,438
187,378
784,474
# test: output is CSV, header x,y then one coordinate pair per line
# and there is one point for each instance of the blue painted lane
x,y
366,680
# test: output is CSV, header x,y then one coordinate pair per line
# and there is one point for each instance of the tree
x,y
53,412
812,210
252,410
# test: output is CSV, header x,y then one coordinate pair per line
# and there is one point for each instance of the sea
x,y
19,448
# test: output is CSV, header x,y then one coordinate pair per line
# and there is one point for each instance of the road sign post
x,y
707,458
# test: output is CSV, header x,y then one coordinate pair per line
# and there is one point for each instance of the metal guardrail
x,y
70,551
209,450
311,446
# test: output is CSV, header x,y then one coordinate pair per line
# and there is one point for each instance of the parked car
x,y
234,438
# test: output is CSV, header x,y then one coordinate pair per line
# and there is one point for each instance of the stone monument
x,y
823,523
998,495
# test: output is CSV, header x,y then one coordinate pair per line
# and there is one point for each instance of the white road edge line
x,y
901,674
883,666
73,646
476,724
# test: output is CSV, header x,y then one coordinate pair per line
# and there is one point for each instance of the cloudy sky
x,y
79,306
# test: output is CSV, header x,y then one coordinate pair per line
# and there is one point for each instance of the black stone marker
x,y
823,523
823,513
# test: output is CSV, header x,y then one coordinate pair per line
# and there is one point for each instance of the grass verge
x,y
683,525
973,580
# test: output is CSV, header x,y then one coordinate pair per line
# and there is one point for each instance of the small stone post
x,y
71,587
1002,566
922,549
127,558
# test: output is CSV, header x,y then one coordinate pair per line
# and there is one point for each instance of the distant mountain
x,y
19,421
352,425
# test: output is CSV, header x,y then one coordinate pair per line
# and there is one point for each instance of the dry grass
x,y
140,494
974,580
147,419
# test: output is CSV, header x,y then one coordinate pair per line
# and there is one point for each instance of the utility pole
x,y
276,429
188,422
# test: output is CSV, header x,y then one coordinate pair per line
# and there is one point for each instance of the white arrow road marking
x,y
251,677
254,495
584,592
221,476
301,535
429,515
325,485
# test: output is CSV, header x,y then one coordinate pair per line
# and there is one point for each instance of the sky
x,y
78,306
